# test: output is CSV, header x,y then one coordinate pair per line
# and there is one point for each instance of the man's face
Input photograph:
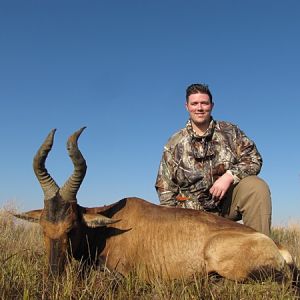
x,y
199,107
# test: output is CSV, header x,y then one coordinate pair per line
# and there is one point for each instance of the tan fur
x,y
169,242
134,234
286,255
176,243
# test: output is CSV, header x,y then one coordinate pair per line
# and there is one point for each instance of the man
x,y
212,165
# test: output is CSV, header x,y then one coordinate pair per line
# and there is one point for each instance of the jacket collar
x,y
208,133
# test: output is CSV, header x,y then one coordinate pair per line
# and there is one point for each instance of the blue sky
x,y
121,69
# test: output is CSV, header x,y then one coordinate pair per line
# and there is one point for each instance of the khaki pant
x,y
250,201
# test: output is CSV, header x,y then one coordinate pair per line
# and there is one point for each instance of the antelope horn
x,y
47,183
71,187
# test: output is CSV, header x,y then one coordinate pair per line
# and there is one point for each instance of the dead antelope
x,y
134,234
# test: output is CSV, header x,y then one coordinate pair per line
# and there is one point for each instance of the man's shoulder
x,y
177,138
225,125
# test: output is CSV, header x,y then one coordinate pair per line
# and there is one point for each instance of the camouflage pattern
x,y
191,164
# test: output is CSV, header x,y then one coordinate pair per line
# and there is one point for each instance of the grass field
x,y
23,276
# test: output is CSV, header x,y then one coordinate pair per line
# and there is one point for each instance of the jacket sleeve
x,y
249,159
166,188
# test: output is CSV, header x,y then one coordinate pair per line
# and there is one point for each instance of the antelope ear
x,y
31,216
95,220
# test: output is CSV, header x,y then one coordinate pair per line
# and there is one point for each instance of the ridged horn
x,y
47,183
71,187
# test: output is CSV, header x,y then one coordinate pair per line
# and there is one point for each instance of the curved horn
x,y
71,187
48,185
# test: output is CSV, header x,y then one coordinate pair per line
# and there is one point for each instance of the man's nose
x,y
199,106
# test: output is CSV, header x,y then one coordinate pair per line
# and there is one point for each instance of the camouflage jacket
x,y
191,163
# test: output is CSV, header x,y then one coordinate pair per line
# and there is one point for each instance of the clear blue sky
x,y
121,69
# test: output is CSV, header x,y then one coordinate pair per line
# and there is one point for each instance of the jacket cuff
x,y
235,178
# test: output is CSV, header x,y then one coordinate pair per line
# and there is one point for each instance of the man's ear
x,y
31,216
95,220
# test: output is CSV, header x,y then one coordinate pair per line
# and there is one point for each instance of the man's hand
x,y
220,187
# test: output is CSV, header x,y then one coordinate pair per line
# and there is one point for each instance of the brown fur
x,y
176,243
164,241
134,234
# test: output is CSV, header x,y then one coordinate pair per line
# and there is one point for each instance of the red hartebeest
x,y
135,234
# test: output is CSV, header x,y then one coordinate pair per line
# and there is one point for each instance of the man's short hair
x,y
196,88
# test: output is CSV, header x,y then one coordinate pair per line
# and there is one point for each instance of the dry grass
x,y
22,274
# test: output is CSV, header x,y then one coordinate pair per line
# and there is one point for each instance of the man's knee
x,y
255,203
253,187
255,190
254,183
